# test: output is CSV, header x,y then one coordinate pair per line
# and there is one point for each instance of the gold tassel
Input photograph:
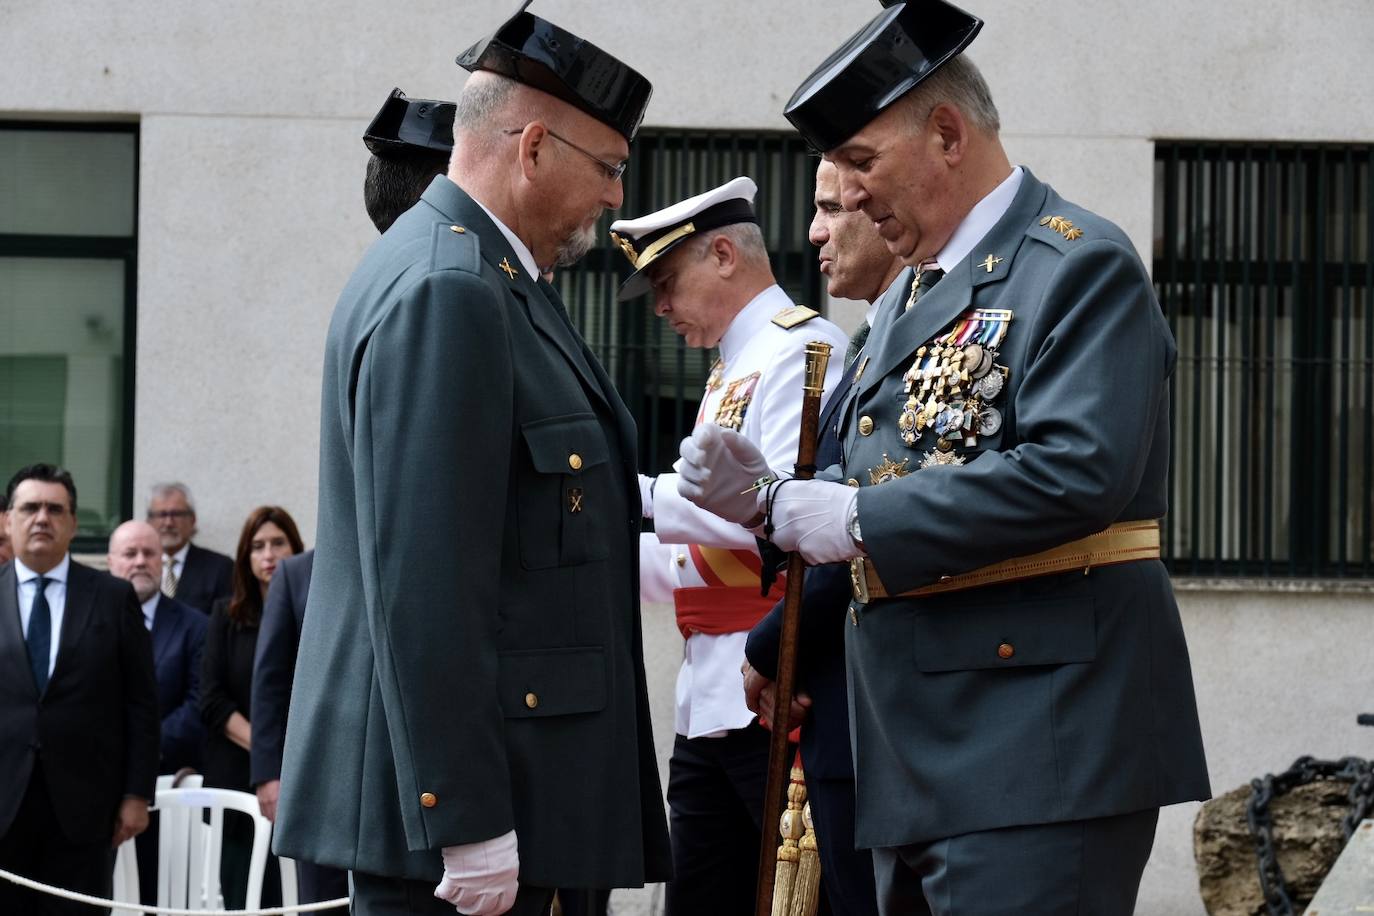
x,y
791,826
807,887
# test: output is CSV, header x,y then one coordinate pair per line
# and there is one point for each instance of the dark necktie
x,y
924,282
856,342
40,634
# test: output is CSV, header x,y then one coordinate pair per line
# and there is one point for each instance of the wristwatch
x,y
854,531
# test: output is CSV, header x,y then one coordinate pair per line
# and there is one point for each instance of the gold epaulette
x,y
795,316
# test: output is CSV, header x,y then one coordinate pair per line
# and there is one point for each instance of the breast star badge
x,y
887,470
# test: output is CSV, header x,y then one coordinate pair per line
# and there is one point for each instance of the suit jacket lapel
x,y
80,599
14,654
456,205
953,295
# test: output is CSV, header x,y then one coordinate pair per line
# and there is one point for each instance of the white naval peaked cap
x,y
648,238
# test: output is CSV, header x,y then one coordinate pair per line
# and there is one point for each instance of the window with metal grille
x,y
68,275
1263,262
661,379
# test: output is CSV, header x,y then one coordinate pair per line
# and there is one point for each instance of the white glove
x,y
812,518
481,879
717,469
646,496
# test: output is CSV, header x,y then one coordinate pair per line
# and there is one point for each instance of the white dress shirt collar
x,y
178,559
750,320
56,595
525,256
980,221
57,574
872,311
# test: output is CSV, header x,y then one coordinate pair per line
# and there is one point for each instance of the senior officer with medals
x,y
472,709
705,263
1021,696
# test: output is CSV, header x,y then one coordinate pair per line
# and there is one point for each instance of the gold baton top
x,y
817,360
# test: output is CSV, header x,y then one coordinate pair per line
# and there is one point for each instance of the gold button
x,y
531,700
458,229
1006,650
428,800
682,559
852,482
865,426
575,461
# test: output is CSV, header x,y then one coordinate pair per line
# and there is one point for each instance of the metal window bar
x,y
1264,267
660,378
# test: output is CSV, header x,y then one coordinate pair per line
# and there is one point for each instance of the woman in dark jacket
x,y
226,682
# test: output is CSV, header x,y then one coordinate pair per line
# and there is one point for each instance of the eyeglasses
x,y
169,515
613,172
28,510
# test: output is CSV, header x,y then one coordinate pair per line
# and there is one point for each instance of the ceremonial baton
x,y
779,766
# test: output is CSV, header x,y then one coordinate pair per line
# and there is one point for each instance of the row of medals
x,y
949,390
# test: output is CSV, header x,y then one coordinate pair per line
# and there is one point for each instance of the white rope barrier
x,y
166,910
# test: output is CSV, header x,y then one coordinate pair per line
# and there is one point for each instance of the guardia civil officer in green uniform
x,y
469,708
1020,691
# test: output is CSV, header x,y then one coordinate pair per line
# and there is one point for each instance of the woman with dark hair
x,y
226,682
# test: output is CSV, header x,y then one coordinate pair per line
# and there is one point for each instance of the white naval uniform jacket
x,y
709,699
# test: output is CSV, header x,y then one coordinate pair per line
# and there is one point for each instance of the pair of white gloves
x,y
720,471
481,879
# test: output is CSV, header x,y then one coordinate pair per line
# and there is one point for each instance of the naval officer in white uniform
x,y
705,263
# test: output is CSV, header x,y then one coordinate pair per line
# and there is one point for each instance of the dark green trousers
x,y
1064,869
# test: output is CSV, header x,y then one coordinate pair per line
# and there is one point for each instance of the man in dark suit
x,y
857,265
192,575
474,688
178,634
1019,680
78,705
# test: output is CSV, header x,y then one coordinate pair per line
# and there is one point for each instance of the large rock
x,y
1307,837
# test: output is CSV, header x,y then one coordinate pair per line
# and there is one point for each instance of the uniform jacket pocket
x,y
1055,631
552,682
563,495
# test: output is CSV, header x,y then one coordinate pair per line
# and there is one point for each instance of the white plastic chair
x,y
189,849
126,886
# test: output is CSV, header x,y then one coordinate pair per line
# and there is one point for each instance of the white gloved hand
x,y
646,496
717,469
481,879
812,518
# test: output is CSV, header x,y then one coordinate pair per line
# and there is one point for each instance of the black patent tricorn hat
x,y
407,127
899,48
538,53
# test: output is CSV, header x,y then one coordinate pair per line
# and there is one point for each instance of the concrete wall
x,y
251,219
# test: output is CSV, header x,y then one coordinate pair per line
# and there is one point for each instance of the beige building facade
x,y
249,220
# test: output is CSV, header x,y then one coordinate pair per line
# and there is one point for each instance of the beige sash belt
x,y
1121,543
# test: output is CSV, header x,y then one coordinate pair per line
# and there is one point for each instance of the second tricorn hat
x,y
538,53
899,48
406,127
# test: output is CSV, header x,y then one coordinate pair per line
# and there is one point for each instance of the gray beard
x,y
575,247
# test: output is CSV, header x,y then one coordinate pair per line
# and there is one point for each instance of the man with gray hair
x,y
472,708
704,261
1021,696
193,575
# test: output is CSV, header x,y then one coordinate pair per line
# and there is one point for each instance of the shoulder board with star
x,y
794,317
455,247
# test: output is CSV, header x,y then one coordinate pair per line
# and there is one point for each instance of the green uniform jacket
x,y
1093,713
471,661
